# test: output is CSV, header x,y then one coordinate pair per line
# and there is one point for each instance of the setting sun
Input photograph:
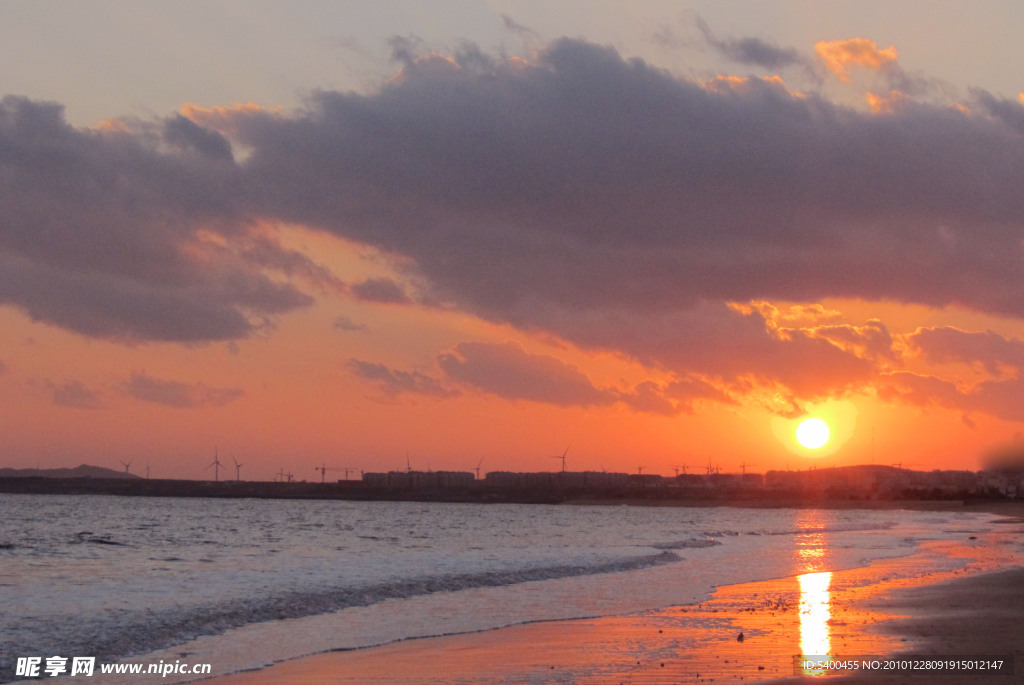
x,y
812,433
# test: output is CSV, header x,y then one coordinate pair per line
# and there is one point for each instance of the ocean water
x,y
242,583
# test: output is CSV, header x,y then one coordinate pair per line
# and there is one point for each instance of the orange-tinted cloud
x,y
839,55
995,353
887,104
582,196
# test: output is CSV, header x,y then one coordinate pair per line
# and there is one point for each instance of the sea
x,y
243,583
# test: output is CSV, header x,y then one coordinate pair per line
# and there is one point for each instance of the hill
x,y
81,471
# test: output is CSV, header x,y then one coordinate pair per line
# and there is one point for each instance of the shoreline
x,y
355,491
881,609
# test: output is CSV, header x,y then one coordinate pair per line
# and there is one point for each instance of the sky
x,y
471,235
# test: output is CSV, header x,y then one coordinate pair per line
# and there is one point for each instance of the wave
x,y
138,634
686,544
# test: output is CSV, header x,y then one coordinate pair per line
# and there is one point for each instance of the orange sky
x,y
483,259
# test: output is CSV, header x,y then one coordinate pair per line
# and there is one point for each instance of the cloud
x,y
998,398
870,341
1000,357
380,290
75,394
345,323
577,194
992,351
185,134
129,232
584,186
179,395
753,51
839,55
507,370
394,382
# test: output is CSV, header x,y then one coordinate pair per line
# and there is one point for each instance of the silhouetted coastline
x,y
857,486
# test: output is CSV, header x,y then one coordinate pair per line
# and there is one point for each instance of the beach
x,y
329,592
744,633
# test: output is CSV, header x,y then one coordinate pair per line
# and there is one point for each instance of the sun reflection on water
x,y
815,610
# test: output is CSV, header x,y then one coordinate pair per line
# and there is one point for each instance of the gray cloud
x,y
179,395
102,231
187,135
754,51
394,382
588,188
580,194
381,290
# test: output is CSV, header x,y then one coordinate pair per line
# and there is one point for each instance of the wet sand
x,y
884,609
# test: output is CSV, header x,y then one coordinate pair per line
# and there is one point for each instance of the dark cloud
x,y
187,135
602,199
393,382
753,51
580,194
179,395
381,290
107,233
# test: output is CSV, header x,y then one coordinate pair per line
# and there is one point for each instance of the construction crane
x,y
323,469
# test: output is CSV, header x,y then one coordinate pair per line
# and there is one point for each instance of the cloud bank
x,y
576,193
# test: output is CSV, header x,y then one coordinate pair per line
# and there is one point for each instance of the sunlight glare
x,y
812,433
815,612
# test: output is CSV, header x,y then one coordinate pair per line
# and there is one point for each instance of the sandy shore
x,y
884,609
887,608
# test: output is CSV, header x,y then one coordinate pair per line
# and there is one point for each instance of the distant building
x,y
419,480
560,480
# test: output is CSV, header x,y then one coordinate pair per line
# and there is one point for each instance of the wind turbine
x,y
127,465
562,457
215,465
478,467
238,469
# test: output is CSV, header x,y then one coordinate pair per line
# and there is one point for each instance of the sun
x,y
812,433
